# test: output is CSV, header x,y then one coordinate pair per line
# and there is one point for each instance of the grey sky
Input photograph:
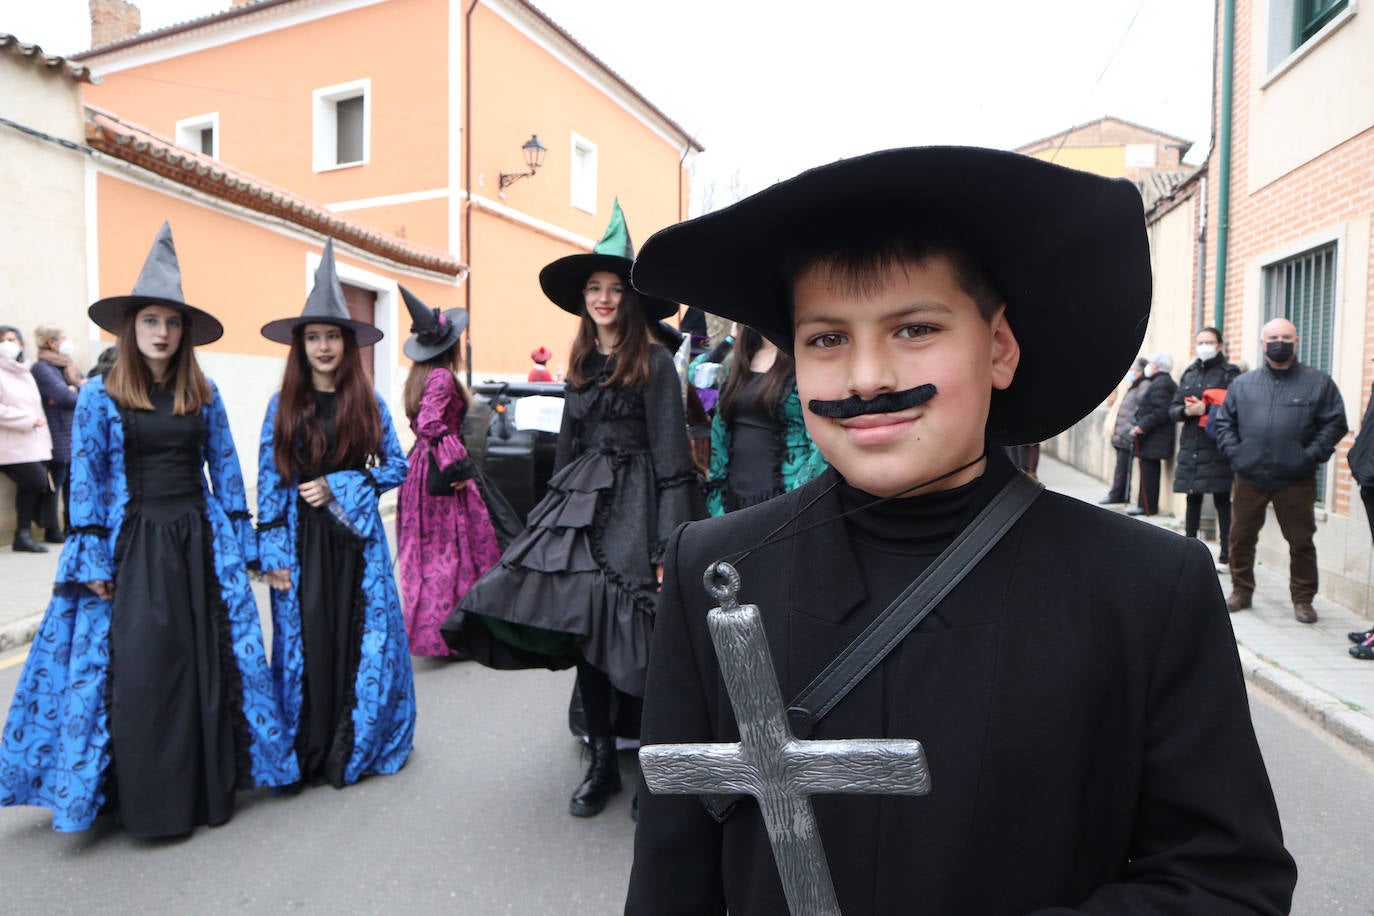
x,y
771,88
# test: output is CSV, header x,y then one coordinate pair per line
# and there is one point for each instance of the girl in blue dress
x,y
147,690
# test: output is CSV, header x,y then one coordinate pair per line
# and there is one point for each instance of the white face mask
x,y
66,348
1206,351
10,350
1150,371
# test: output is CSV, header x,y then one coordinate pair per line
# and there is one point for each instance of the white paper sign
x,y
539,413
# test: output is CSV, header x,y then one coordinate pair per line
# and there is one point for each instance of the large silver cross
x,y
772,764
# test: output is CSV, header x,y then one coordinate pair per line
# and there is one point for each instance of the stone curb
x,y
19,633
1330,714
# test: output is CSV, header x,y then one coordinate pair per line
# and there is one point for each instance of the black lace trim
x,y
241,515
101,530
676,480
341,750
229,666
643,602
275,523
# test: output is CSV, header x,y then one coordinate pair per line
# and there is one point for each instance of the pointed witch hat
x,y
431,331
159,283
324,305
562,280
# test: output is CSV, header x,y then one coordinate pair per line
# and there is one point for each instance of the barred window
x,y
1303,290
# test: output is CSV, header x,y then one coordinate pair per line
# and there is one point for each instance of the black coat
x,y
1361,455
1200,467
1078,695
1276,427
1152,415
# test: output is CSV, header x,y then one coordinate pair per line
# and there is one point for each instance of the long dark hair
x,y
449,361
298,437
775,380
130,378
631,347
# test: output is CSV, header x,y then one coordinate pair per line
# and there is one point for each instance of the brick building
x,y
1301,240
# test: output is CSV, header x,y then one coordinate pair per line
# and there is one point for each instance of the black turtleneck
x,y
895,541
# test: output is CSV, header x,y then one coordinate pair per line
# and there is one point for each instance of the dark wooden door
x,y
362,306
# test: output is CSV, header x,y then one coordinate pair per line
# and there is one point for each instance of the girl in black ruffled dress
x,y
578,587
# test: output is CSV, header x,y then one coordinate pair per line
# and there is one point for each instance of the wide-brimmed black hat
x,y
159,283
324,305
431,331
562,281
1067,250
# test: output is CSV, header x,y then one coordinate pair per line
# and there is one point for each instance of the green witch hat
x,y
562,281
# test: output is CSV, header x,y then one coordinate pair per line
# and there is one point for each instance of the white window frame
x,y
583,196
188,131
1280,25
326,123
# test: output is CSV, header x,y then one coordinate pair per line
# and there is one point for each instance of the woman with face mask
x,y
58,380
1200,468
25,443
146,692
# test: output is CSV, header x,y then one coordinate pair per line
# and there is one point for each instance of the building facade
x,y
409,116
1299,224
44,173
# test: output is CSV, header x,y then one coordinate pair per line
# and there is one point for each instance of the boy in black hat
x,y
1077,693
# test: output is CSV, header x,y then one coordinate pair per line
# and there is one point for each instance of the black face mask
x,y
1280,351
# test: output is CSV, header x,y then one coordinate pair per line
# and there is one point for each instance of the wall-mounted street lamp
x,y
534,157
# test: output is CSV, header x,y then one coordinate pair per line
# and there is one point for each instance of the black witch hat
x,y
431,331
562,280
1067,250
324,305
159,283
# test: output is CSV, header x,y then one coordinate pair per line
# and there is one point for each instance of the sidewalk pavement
x,y
1304,665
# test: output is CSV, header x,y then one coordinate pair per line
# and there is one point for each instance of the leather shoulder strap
x,y
914,603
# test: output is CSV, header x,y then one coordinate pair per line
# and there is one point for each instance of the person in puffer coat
x,y
1277,425
1201,468
1154,431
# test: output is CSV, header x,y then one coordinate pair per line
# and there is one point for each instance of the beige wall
x,y
1313,101
42,216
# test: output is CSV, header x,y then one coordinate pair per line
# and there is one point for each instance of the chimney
x,y
113,20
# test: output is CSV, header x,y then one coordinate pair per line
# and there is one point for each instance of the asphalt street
x,y
477,823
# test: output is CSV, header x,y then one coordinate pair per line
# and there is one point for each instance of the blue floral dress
x,y
182,635
372,724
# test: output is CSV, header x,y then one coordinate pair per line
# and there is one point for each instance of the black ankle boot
x,y
603,780
24,543
53,536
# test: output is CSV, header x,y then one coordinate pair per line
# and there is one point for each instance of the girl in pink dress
x,y
444,535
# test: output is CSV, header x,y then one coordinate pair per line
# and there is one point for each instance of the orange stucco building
x,y
399,116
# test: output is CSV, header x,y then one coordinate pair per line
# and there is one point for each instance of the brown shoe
x,y
1237,602
1303,612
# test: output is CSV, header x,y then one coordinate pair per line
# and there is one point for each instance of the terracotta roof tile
x,y
132,143
78,72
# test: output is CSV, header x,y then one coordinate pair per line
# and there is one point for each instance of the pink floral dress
x,y
444,543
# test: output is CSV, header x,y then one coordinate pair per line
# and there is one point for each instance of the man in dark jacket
x,y
1154,431
1277,425
1078,694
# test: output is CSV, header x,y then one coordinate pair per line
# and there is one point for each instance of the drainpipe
x,y
1228,44
467,177
1200,305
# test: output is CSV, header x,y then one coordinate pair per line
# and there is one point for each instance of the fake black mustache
x,y
855,406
